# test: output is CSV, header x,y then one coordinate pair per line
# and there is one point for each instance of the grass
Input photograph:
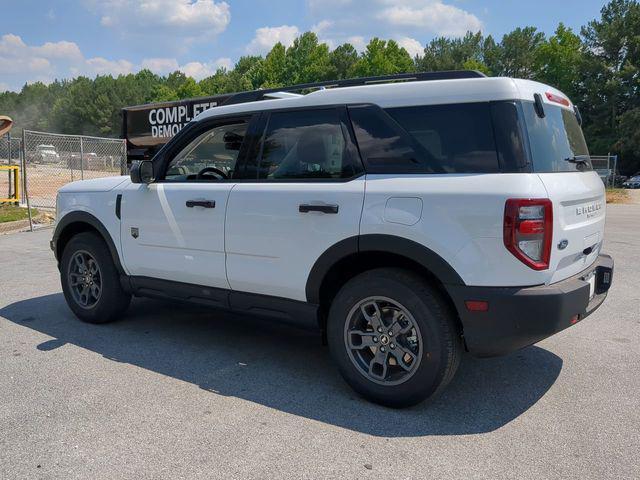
x,y
11,213
617,195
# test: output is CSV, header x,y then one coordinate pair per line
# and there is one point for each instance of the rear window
x,y
556,140
456,138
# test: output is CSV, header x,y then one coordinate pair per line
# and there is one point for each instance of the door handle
x,y
201,203
304,208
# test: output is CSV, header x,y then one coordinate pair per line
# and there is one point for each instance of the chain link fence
x,y
606,166
52,160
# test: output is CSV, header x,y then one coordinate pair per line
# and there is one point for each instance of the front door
x,y
173,228
302,193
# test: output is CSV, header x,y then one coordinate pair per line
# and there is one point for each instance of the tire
x,y
112,300
425,357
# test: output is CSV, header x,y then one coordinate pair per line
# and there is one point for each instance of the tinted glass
x,y
555,139
509,132
384,146
212,153
457,138
305,145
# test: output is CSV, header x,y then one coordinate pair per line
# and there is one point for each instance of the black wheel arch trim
x,y
426,257
79,217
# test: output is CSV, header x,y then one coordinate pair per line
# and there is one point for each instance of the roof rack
x,y
254,95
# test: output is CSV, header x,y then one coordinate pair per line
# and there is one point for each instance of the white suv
x,y
408,221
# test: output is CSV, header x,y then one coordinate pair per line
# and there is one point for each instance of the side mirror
x,y
141,171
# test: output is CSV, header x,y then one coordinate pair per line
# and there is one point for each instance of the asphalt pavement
x,y
175,391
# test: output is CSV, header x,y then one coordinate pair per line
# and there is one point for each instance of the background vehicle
x,y
89,160
633,182
408,221
45,154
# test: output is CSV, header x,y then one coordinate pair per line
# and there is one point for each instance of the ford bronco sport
x,y
408,221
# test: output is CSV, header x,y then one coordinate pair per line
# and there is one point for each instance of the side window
x,y
384,146
509,132
457,138
305,144
212,155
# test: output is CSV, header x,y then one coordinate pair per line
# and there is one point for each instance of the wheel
x,y
90,280
393,337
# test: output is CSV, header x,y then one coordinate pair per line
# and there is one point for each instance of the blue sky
x,y
41,40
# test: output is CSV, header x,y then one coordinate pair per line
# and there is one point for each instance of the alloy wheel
x,y
85,279
383,340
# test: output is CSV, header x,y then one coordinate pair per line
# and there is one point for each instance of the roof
x,y
386,95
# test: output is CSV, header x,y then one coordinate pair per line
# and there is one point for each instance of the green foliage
x,y
558,61
454,54
342,60
382,58
307,60
518,52
611,81
598,69
628,142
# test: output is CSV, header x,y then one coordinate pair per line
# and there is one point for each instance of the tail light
x,y
528,229
552,97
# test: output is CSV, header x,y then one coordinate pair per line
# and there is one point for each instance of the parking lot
x,y
174,391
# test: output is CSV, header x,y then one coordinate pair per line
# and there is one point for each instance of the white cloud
x,y
197,70
102,66
339,21
21,63
321,26
358,42
18,60
266,37
62,50
11,44
4,87
164,19
224,62
411,45
161,66
44,63
431,15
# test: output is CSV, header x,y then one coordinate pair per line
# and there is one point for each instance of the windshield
x,y
556,141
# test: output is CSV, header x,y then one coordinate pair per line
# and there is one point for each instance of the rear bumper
x,y
518,317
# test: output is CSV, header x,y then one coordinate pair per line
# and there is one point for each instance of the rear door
x,y
302,192
561,159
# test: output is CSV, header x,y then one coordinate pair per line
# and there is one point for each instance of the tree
x,y
491,52
611,80
382,58
342,60
445,53
518,53
558,61
214,84
272,71
189,89
307,60
628,143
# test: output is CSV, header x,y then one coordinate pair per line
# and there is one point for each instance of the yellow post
x,y
16,182
15,198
